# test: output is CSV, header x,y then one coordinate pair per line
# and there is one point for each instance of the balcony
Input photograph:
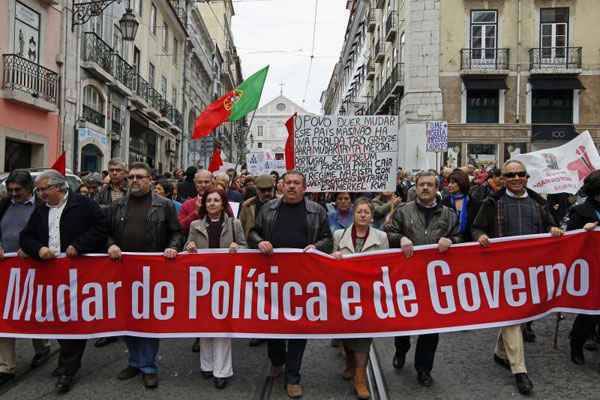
x,y
141,93
177,119
93,116
154,103
391,27
555,60
485,61
97,57
166,113
391,89
379,51
371,21
27,82
370,70
124,75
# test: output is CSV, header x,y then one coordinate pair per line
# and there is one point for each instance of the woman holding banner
x,y
359,237
216,229
586,216
459,200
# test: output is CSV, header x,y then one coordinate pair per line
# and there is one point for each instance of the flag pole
x,y
237,161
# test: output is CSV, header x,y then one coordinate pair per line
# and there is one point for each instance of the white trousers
x,y
215,356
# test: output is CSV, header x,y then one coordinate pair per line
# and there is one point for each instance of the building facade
x,y
268,132
509,76
31,71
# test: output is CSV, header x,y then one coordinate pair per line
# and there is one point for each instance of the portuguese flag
x,y
232,106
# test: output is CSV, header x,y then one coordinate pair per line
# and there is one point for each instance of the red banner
x,y
295,294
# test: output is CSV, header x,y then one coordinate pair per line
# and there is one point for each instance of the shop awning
x,y
556,83
485,83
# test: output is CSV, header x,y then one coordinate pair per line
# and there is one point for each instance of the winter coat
x,y
231,231
376,240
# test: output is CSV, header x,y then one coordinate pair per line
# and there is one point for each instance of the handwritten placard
x,y
437,136
347,153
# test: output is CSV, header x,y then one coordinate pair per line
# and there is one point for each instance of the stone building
x,y
509,76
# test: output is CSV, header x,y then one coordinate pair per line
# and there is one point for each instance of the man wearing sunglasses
x,y
515,210
143,221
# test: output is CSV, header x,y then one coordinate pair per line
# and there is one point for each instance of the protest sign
x,y
259,163
437,136
302,294
562,169
347,153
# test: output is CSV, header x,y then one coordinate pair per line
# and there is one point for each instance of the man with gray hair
x,y
65,222
117,187
514,210
422,221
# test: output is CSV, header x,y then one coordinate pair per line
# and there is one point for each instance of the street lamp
x,y
83,11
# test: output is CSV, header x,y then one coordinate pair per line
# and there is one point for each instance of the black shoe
x,y
399,360
58,371
206,374
196,346
40,358
105,341
128,373
256,342
64,383
524,384
528,333
501,362
150,380
220,383
424,378
6,377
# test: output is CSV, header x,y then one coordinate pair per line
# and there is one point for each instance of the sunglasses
x,y
520,174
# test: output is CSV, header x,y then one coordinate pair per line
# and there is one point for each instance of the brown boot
x,y
350,365
360,384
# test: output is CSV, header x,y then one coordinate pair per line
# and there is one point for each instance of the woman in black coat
x,y
459,200
586,216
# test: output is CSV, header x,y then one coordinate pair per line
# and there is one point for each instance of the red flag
x,y
214,115
289,144
59,164
215,160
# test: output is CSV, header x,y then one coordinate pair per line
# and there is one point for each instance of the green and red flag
x,y
232,106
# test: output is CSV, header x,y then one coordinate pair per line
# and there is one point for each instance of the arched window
x,y
93,106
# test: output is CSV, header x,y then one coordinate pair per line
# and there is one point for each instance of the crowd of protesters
x,y
134,209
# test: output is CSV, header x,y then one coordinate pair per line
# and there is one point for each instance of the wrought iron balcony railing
x,y
555,58
484,59
154,99
166,109
177,118
371,20
93,116
123,72
379,51
391,26
27,76
97,50
142,88
389,88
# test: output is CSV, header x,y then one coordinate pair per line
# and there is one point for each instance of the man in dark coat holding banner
x,y
68,223
513,211
292,222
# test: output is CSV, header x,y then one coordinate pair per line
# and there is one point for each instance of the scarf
x,y
214,229
355,236
463,214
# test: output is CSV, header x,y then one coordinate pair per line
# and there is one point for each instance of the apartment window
x,y
554,28
483,106
153,19
163,86
27,33
93,99
166,37
552,107
119,45
175,50
259,130
136,59
484,33
259,145
151,72
116,119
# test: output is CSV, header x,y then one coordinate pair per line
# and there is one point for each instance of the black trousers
x,y
583,328
69,357
425,352
291,357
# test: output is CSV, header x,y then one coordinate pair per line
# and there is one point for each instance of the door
x,y
554,43
484,27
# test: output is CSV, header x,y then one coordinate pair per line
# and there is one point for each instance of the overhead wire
x,y
312,53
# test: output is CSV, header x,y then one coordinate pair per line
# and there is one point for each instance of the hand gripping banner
x,y
295,294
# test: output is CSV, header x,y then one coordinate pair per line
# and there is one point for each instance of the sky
x,y
280,33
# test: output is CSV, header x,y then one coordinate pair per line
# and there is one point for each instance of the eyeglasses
x,y
44,189
138,177
520,174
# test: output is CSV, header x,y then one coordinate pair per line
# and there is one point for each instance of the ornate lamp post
x,y
83,11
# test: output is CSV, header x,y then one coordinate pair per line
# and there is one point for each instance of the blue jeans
x,y
142,353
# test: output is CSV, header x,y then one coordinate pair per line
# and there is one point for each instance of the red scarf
x,y
354,236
